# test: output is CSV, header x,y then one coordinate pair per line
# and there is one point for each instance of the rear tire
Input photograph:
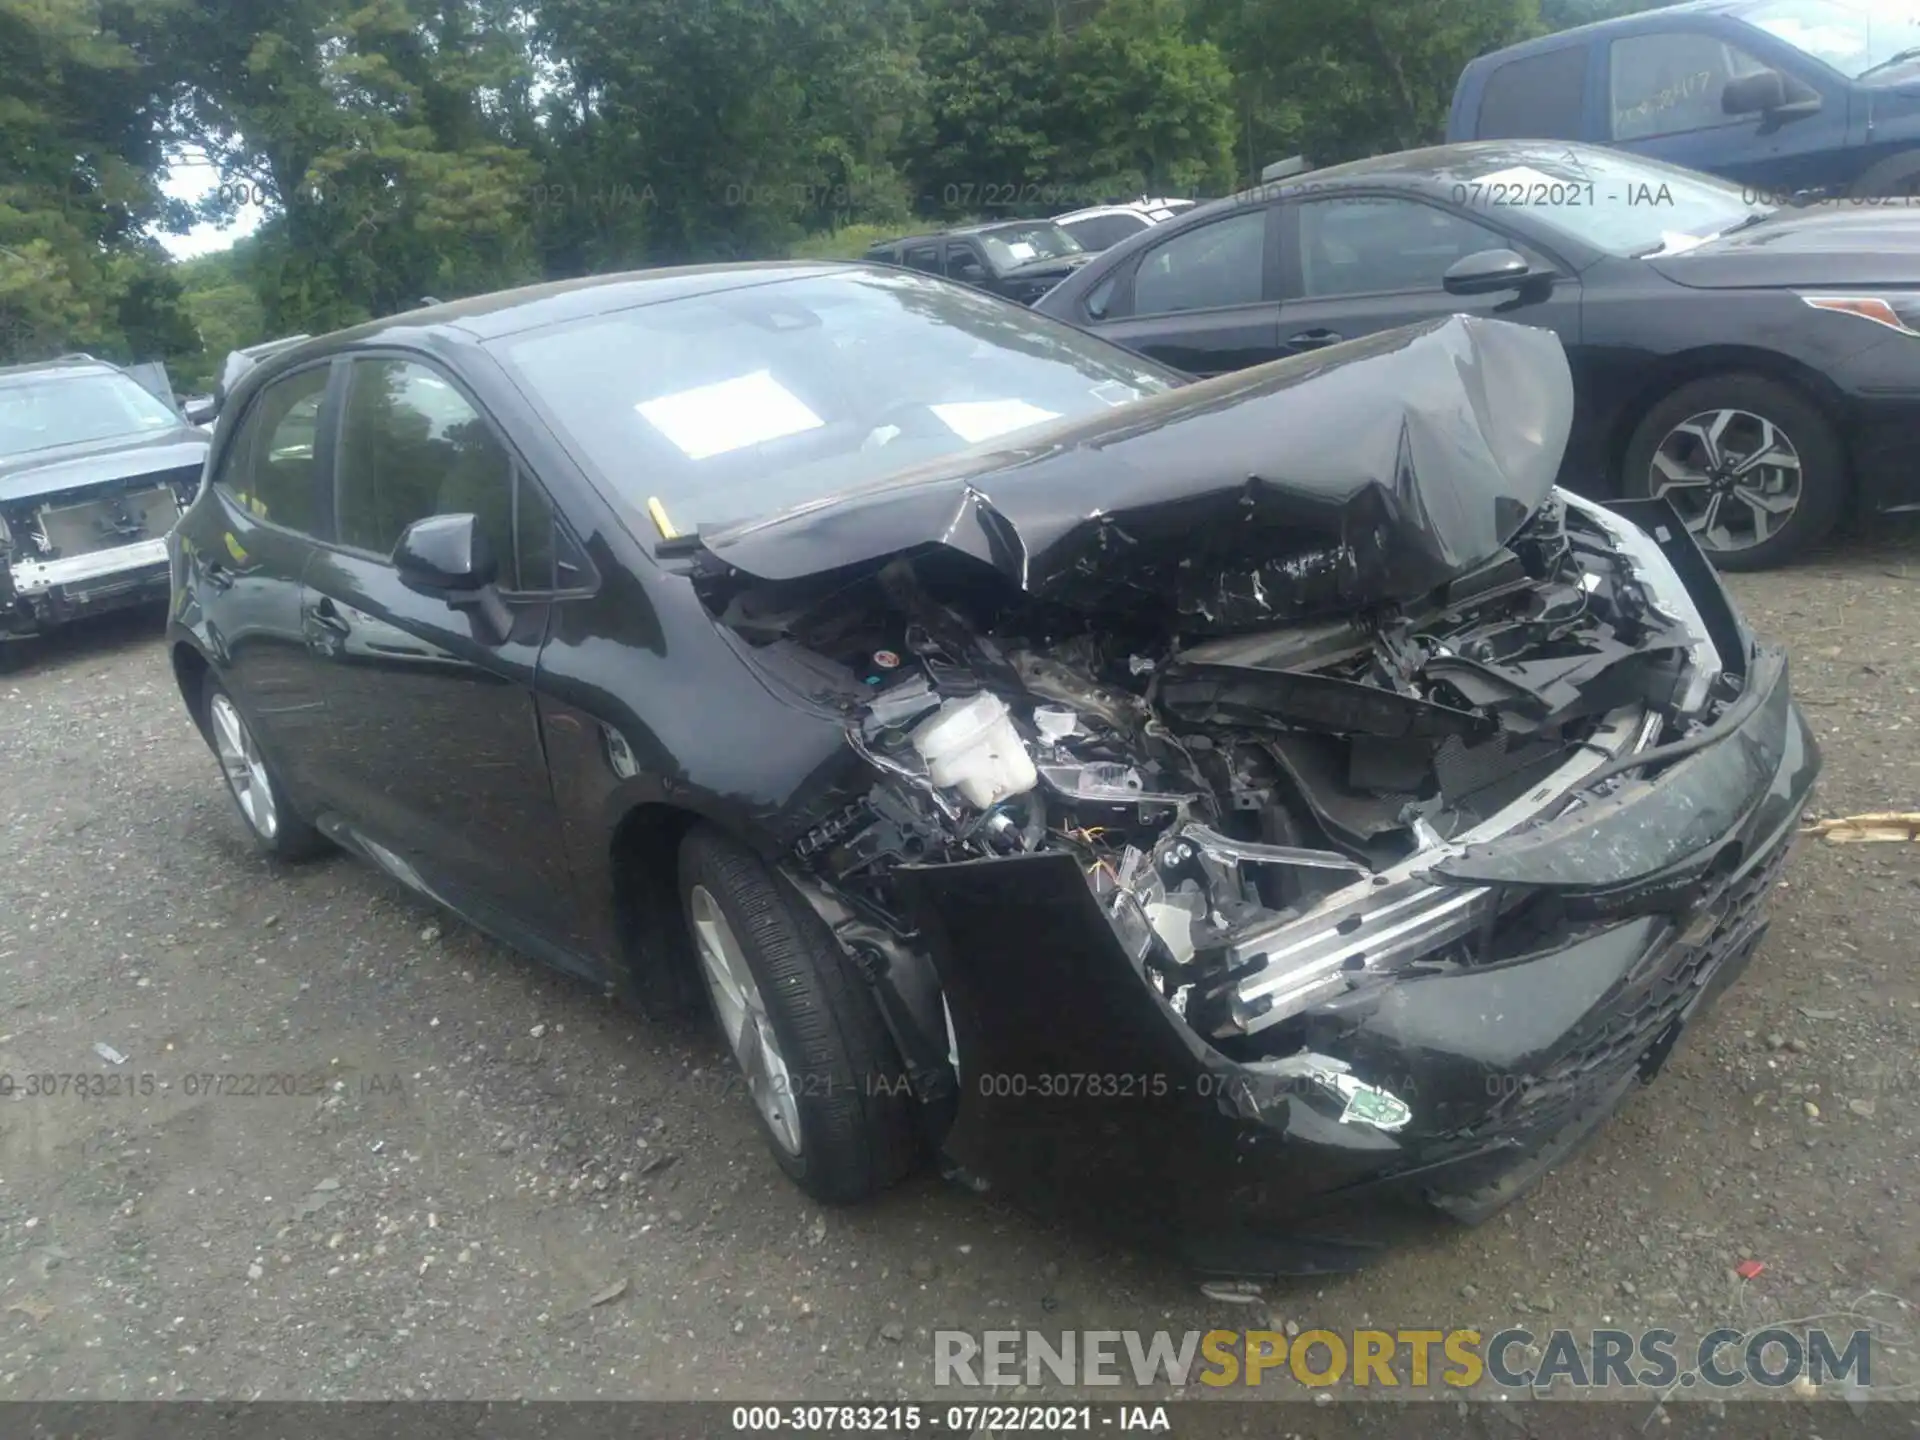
x,y
276,828
1756,472
827,1087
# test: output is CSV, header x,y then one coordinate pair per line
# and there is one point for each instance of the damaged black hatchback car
x,y
1208,807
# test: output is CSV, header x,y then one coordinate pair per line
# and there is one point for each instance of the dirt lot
x,y
497,1150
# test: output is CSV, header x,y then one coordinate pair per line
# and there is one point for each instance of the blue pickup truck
x,y
1792,99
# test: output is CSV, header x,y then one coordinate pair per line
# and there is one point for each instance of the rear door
x,y
1665,100
248,554
435,751
1356,264
1206,299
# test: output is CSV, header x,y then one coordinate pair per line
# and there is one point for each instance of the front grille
x,y
105,521
1640,1015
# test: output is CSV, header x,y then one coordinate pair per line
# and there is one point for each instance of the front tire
x,y
1755,471
275,826
827,1087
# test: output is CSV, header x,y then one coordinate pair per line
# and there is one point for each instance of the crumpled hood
x,y
1365,472
72,467
1828,244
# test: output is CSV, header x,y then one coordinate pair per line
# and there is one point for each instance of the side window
x,y
1670,83
411,446
1360,244
269,466
1537,97
1217,264
924,257
964,265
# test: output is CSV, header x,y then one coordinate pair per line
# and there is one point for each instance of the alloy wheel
x,y
246,772
743,1016
1732,476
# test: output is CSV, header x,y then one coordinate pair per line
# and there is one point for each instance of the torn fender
x,y
1368,472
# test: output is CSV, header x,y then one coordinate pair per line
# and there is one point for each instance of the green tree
x,y
1145,108
1342,79
378,136
80,127
710,129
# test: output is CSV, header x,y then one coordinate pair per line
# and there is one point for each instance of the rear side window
x,y
1536,97
1214,265
269,466
411,446
924,257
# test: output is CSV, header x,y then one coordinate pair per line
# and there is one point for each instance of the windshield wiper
x,y
1745,222
1899,57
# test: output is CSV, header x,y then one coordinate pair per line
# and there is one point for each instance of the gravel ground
x,y
507,1187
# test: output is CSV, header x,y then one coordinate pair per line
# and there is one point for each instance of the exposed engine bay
x,y
1255,812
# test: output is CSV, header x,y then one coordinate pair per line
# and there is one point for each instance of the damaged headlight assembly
x,y
1254,862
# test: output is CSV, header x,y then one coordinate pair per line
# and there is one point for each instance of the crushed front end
x,y
1212,898
82,538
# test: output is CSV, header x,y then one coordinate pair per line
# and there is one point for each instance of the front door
x,y
435,751
1355,265
1665,101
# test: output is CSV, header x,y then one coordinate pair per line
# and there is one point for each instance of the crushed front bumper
x,y
35,594
1453,1086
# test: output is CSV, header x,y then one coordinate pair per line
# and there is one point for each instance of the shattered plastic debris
x,y
1748,1269
1883,827
107,1053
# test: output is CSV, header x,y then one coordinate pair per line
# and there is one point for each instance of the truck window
x,y
1669,83
1542,96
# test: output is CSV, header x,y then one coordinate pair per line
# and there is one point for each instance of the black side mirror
x,y
1769,93
445,555
449,558
1487,272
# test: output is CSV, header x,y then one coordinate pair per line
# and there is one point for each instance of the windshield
x,y
1853,39
1613,201
744,402
1012,245
73,407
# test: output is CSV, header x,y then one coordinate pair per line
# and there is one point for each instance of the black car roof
x,y
1434,168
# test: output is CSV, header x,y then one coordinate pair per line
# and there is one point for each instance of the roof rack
x,y
1286,169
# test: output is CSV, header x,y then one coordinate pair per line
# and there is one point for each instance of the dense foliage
x,y
404,148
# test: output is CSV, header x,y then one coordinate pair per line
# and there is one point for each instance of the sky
x,y
192,177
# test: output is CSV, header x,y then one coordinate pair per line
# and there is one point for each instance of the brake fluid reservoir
x,y
971,746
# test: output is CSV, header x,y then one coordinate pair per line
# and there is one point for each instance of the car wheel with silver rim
x,y
275,826
1751,467
807,1039
743,1018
